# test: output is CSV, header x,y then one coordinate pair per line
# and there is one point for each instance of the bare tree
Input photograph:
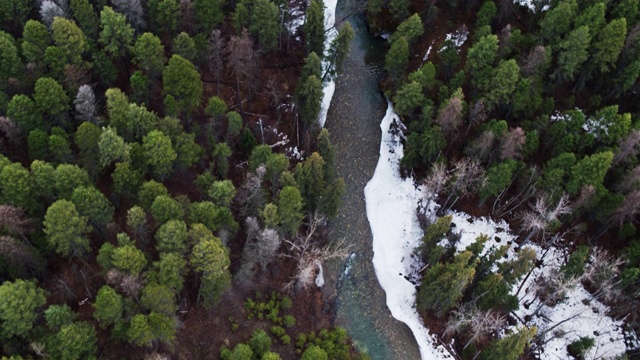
x,y
309,253
512,143
534,61
250,197
476,324
74,76
10,131
627,210
627,147
53,8
482,147
241,59
216,49
543,214
22,258
477,114
602,274
85,104
14,221
132,10
450,116
260,248
186,7
436,181
630,181
467,176
130,285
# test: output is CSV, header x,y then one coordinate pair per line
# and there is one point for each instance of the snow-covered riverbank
x,y
391,210
392,204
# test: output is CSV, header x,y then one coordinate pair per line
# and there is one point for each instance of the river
x,y
354,123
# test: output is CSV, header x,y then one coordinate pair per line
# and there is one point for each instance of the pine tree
x,y
314,28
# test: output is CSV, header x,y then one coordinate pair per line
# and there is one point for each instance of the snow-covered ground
x,y
391,210
392,204
530,4
329,87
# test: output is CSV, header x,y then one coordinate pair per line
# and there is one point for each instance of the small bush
x,y
289,320
580,347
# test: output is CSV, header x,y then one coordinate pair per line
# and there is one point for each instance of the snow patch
x,y
391,211
329,86
530,4
320,277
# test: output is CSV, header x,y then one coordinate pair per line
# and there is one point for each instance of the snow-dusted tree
x,y
85,104
511,143
53,8
476,324
216,52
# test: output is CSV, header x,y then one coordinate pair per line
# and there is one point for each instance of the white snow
x,y
391,210
458,38
320,276
530,5
330,85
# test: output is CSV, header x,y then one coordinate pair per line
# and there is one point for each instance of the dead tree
x,y
627,147
216,49
14,221
309,253
241,60
512,143
467,176
477,114
250,197
535,61
476,324
542,215
86,105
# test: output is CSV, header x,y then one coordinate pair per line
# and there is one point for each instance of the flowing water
x,y
353,121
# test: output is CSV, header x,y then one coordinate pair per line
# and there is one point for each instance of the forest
x,y
527,112
165,189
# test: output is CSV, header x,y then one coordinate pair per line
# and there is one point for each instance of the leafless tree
x,y
450,116
309,254
627,147
512,143
130,285
630,181
21,257
241,59
186,7
13,220
10,131
132,10
436,181
260,248
587,194
157,356
542,214
552,288
216,49
627,210
481,148
602,274
467,175
74,76
504,37
85,104
475,323
477,114
53,8
250,197
534,61
631,43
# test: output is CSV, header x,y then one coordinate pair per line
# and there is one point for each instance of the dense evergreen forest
x,y
527,114
164,186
